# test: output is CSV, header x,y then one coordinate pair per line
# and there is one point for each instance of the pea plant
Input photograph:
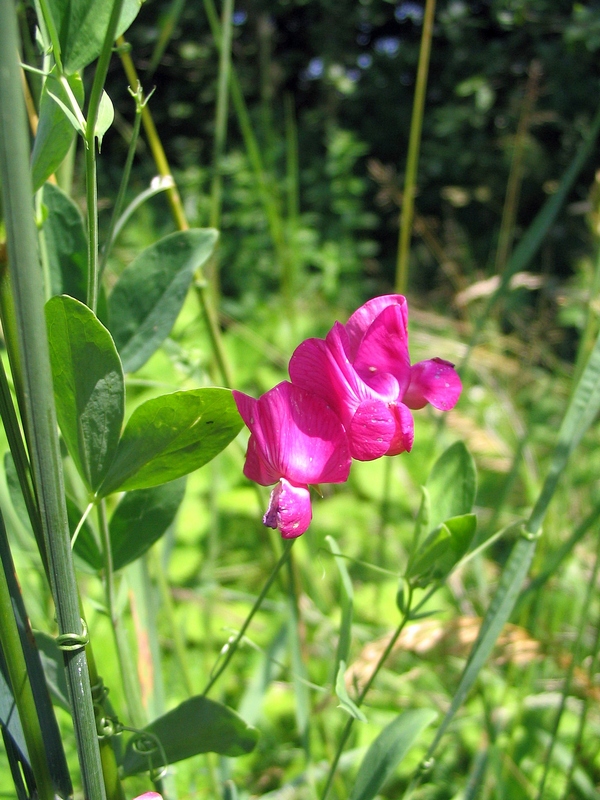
x,y
98,486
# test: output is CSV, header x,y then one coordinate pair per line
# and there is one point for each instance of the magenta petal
x,y
304,440
405,430
371,431
289,509
434,381
383,351
363,317
256,468
310,367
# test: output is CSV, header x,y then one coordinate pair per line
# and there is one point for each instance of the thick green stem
x,y
231,647
414,145
40,415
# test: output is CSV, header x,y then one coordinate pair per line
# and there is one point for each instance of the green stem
x,y
90,153
350,722
414,144
131,687
266,189
178,212
221,112
231,647
40,414
168,607
21,689
119,202
17,450
52,33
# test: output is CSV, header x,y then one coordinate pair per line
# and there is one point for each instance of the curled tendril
x,y
74,641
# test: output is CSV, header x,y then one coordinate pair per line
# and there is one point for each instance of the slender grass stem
x,y
414,144
127,670
119,202
21,688
179,216
575,657
90,153
359,701
230,648
221,112
40,414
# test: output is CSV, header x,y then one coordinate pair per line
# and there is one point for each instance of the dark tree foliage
x,y
351,65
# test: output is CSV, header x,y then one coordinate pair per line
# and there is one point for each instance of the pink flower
x,y
296,439
362,370
149,796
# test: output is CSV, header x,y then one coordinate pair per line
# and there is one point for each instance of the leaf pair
x,y
445,513
165,438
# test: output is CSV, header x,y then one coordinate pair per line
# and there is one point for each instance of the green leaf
x,y
149,294
141,518
346,701
105,118
54,670
82,27
88,386
346,603
443,549
55,130
171,436
435,546
451,485
388,750
197,725
66,244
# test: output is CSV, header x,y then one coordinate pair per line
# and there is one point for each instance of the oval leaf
x,y
66,244
388,750
55,130
451,485
141,518
106,116
82,27
148,296
88,385
171,436
198,725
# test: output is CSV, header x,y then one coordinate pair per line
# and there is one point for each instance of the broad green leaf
x,y
149,294
82,26
171,436
55,131
346,702
346,603
141,518
197,725
66,244
387,751
88,386
451,485
105,118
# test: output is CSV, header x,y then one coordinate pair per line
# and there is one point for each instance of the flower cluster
x,y
350,396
